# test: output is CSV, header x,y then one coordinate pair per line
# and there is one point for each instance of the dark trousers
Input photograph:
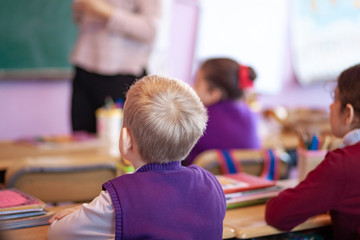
x,y
89,91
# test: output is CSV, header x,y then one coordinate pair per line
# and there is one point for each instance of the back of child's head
x,y
348,85
228,75
165,117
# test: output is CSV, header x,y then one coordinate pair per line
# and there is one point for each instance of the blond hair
x,y
165,117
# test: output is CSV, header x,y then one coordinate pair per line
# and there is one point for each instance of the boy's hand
x,y
62,213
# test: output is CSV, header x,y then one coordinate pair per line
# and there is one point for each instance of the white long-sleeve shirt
x,y
95,220
121,45
99,212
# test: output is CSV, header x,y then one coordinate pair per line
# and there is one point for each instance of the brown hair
x,y
348,85
165,116
223,73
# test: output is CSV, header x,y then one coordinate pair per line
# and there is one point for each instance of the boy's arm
x,y
95,220
318,193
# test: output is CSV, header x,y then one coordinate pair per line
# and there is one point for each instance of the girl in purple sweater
x,y
220,84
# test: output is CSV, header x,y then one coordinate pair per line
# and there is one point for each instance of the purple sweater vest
x,y
168,201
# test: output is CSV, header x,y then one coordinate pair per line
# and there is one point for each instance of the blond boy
x,y
163,119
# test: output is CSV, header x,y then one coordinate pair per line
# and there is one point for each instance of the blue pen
x,y
314,144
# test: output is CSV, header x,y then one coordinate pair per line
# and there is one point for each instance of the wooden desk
x,y
40,232
33,233
241,223
249,222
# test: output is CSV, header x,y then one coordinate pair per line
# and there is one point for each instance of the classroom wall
x,y
34,107
292,94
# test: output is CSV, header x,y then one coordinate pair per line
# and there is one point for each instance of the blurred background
x,y
297,48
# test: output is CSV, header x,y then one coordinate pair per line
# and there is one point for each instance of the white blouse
x,y
121,45
95,220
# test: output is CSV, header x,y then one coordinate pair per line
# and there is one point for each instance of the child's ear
x,y
125,141
349,109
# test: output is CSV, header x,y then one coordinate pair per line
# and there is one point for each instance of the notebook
x,y
19,210
15,201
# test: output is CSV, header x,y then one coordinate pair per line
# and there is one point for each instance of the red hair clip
x,y
244,80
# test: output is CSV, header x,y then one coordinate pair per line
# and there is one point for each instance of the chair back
x,y
61,178
266,163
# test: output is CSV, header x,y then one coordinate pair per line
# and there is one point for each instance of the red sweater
x,y
333,186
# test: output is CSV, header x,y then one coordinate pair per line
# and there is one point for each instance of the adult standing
x,y
114,43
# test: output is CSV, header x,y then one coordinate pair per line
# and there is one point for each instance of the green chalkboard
x,y
36,38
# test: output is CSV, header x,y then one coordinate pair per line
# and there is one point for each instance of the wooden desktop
x,y
249,222
239,223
